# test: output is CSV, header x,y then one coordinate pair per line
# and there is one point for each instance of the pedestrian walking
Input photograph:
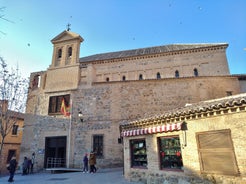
x,y
29,164
24,166
85,163
12,167
92,162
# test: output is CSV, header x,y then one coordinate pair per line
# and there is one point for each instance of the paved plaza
x,y
103,176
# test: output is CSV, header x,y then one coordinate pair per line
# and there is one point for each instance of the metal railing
x,y
55,162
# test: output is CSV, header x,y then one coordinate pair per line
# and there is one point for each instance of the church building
x,y
100,92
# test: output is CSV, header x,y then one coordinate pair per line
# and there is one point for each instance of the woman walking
x,y
12,167
92,162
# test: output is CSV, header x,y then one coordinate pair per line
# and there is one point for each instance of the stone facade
x,y
108,90
227,113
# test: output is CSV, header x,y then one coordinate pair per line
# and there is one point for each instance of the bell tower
x,y
64,73
66,49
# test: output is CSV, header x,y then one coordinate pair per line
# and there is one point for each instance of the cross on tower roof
x,y
68,27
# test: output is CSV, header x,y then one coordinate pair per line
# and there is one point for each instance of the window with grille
x,y
55,103
98,145
216,152
15,129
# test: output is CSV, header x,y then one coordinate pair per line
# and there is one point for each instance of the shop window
x,y
15,129
170,153
55,103
98,145
11,153
216,152
138,153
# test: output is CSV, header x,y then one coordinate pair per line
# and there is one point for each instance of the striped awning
x,y
153,129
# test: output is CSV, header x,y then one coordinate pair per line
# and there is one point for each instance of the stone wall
x,y
135,99
36,129
106,105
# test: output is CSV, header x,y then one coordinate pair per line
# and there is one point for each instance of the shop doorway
x,y
55,152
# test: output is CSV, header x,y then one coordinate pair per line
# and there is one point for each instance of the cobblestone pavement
x,y
103,176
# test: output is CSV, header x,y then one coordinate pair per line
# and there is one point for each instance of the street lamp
x,y
184,128
80,114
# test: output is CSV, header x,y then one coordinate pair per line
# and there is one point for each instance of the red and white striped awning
x,y
152,130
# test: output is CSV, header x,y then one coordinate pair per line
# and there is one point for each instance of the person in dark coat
x,y
92,162
29,164
85,163
12,167
24,166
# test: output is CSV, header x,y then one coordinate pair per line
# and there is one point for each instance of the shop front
x,y
200,144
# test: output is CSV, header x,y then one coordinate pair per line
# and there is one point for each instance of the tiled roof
x,y
149,50
197,108
210,105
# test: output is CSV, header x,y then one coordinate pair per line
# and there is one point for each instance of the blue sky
x,y
27,26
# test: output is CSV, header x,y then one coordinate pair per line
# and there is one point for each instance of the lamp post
x,y
80,115
184,128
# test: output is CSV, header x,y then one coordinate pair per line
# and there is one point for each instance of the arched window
x,y
107,79
177,74
195,72
158,75
124,78
140,77
70,51
59,53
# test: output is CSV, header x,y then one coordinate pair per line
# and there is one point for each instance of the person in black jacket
x,y
85,161
12,168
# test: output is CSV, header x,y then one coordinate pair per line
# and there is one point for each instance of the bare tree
x,y
2,9
13,95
